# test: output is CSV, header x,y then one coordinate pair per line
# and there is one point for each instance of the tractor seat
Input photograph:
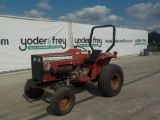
x,y
95,54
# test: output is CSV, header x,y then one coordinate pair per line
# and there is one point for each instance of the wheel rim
x,y
115,82
65,102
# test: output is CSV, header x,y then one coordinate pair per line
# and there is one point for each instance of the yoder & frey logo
x,y
140,42
42,43
84,42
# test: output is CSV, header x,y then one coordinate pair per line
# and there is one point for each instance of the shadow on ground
x,y
91,88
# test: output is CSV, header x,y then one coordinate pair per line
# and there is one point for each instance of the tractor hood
x,y
67,55
56,56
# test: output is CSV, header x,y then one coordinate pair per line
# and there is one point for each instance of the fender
x,y
100,62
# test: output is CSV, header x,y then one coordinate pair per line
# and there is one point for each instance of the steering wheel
x,y
85,50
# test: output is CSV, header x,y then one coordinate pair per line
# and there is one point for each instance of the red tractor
x,y
57,70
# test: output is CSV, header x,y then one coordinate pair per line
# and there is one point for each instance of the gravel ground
x,y
138,100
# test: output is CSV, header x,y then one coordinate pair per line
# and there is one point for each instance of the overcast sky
x,y
136,14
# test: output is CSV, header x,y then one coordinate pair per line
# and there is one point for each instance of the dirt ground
x,y
138,100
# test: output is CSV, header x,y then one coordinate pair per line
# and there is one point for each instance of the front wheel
x,y
62,101
31,92
110,80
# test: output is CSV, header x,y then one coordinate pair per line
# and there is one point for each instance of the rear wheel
x,y
31,92
62,101
110,80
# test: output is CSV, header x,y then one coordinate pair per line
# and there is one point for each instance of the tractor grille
x,y
37,67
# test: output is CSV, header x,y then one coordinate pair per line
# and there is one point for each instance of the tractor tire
x,y
78,84
110,80
62,101
31,92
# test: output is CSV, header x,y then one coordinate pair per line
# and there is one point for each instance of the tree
x,y
153,36
159,41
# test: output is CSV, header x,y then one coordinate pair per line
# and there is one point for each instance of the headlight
x,y
34,59
39,60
